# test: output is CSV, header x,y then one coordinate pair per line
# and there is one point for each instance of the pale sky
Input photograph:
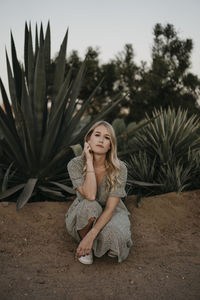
x,y
108,24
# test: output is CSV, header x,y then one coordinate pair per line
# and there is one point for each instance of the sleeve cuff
x,y
78,182
119,194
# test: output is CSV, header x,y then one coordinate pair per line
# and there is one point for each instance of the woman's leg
x,y
115,236
89,211
87,228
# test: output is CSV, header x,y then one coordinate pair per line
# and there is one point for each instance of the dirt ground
x,y
37,255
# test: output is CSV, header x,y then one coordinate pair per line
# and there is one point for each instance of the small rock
x,y
41,282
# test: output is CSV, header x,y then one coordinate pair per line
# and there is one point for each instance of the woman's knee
x,y
111,231
90,207
91,203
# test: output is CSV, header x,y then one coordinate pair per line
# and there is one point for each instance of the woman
x,y
98,219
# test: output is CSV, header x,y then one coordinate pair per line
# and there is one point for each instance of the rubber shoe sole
x,y
86,260
112,254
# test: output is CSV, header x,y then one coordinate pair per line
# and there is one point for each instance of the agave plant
x,y
169,149
39,124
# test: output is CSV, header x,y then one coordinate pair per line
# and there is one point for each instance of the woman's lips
x,y
100,146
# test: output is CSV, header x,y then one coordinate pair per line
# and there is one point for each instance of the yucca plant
x,y
126,146
175,176
170,144
40,123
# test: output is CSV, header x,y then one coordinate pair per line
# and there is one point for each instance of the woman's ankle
x,y
82,232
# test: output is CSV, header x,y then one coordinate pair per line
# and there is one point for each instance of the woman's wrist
x,y
89,165
93,232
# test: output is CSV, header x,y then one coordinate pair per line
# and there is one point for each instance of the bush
x,y
168,152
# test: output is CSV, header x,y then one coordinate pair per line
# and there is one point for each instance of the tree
x,y
127,71
168,81
126,80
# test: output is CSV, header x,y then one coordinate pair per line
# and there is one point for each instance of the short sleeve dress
x,y
116,234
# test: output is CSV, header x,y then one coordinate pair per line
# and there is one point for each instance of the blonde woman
x,y
98,219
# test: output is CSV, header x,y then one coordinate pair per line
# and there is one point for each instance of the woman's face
x,y
100,140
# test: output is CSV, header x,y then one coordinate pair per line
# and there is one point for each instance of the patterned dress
x,y
116,234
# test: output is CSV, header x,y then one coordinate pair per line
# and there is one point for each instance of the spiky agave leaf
x,y
11,191
6,178
175,177
38,139
26,193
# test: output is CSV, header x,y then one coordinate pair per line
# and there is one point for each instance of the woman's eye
x,y
107,138
96,134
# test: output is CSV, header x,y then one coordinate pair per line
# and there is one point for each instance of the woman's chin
x,y
99,151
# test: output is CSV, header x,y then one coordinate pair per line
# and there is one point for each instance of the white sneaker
x,y
112,254
87,259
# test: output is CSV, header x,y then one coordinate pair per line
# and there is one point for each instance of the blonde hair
x,y
112,162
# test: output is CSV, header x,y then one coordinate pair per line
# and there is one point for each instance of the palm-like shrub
x,y
41,122
126,135
169,148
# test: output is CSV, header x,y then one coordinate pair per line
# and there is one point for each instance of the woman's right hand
x,y
88,151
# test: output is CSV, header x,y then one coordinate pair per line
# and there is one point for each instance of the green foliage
x,y
169,149
166,82
93,76
124,134
42,122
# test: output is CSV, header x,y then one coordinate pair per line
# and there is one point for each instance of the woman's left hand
x,y
85,246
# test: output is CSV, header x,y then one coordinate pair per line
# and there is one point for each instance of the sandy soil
x,y
37,254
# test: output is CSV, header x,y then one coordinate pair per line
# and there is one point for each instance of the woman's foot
x,y
112,253
87,259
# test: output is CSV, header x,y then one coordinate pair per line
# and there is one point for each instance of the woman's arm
x,y
85,245
89,188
